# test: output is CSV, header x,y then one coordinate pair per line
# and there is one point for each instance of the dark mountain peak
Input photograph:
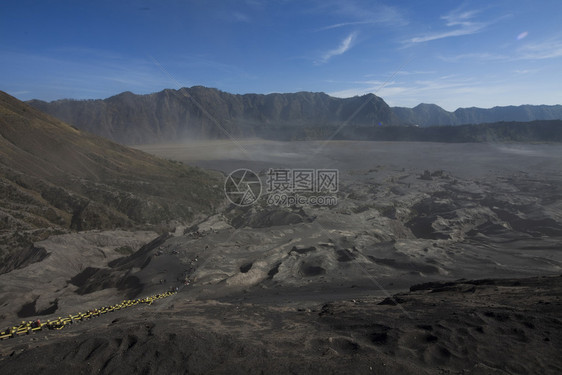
x,y
32,102
472,109
201,89
124,94
311,93
426,106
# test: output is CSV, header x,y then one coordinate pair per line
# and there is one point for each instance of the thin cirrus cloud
x,y
344,46
462,23
369,12
479,56
343,24
356,12
539,51
547,49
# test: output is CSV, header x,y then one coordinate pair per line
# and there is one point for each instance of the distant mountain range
x,y
200,112
433,115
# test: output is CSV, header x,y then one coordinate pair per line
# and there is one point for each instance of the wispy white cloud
x,y
526,71
358,12
344,46
373,12
460,18
539,51
343,24
414,72
480,56
461,21
547,49
447,34
401,73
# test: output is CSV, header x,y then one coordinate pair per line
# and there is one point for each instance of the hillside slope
x,y
55,178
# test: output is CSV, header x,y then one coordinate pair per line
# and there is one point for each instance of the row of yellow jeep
x,y
26,328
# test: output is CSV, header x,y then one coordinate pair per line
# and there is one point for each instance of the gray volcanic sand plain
x,y
370,285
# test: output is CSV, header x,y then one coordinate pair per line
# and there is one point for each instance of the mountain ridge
x,y
199,112
432,115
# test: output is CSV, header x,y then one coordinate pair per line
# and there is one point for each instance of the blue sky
x,y
451,53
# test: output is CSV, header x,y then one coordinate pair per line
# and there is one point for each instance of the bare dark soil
x,y
505,326
441,259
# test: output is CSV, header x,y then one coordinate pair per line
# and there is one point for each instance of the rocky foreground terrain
x,y
472,327
450,269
